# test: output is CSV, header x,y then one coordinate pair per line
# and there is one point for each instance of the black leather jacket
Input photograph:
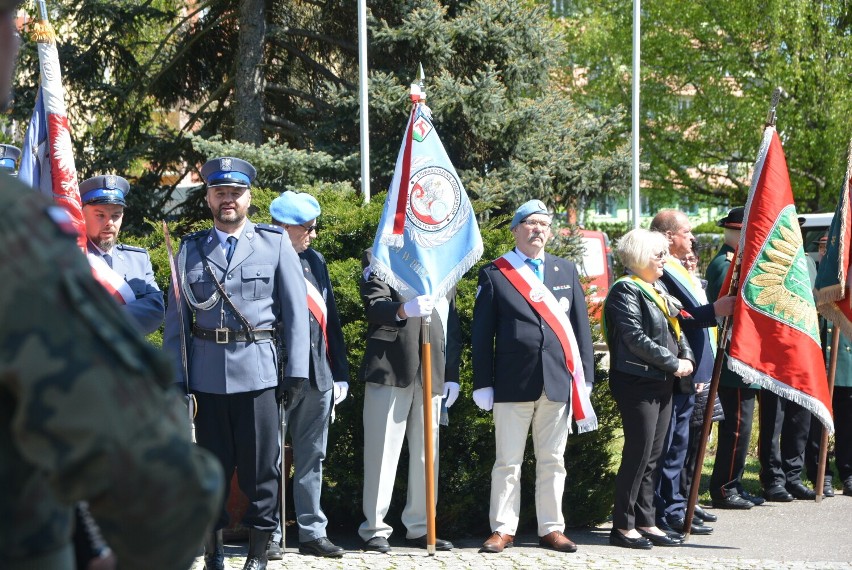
x,y
637,335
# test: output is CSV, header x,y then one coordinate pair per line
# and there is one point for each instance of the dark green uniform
x,y
715,275
737,400
86,411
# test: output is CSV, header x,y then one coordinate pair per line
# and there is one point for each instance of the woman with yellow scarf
x,y
648,354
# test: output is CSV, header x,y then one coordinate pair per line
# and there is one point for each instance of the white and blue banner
x,y
428,237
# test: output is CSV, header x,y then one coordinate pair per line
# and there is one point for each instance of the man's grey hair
x,y
667,221
636,247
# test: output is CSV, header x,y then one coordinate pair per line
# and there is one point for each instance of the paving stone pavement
x,y
775,536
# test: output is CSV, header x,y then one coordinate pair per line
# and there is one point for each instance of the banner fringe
x,y
753,376
587,425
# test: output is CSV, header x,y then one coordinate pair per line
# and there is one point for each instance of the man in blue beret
x,y
308,416
9,156
530,319
103,199
243,300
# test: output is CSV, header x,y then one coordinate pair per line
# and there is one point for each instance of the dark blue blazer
x,y
516,351
326,367
695,329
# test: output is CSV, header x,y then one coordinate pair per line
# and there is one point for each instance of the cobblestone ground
x,y
775,536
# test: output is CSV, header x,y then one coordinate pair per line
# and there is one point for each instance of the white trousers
x,y
550,428
392,414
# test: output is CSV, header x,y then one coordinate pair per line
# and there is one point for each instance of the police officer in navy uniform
x,y
308,416
9,158
242,289
103,199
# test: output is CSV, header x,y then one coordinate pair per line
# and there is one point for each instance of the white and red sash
x,y
114,283
544,303
316,305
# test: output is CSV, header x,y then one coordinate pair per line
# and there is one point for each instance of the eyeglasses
x,y
659,256
536,224
309,229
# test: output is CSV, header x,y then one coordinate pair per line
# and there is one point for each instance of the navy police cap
x,y
228,171
106,189
9,157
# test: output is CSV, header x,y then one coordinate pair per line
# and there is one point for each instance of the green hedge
x,y
347,227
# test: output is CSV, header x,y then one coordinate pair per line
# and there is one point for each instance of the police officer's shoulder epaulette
x,y
126,247
269,228
194,235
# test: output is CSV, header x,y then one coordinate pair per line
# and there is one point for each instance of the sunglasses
x,y
309,229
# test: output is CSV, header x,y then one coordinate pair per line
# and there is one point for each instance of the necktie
x,y
108,259
232,245
535,265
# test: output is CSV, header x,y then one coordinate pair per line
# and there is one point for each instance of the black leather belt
x,y
224,336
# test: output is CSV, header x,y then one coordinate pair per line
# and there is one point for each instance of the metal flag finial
x,y
776,96
418,89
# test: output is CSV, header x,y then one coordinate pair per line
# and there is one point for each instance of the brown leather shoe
x,y
497,542
557,541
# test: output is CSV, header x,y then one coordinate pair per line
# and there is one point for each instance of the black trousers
x,y
784,428
241,430
733,439
841,403
646,410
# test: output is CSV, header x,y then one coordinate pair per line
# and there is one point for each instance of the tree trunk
x,y
248,112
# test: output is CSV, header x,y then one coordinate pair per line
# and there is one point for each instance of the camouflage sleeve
x,y
92,413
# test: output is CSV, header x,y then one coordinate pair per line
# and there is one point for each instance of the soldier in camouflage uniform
x,y
85,407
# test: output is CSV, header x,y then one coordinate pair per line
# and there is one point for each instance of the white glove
x,y
484,398
589,387
419,306
451,392
341,389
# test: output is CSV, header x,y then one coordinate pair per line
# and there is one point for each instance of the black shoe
x,y
377,544
827,487
321,547
847,487
801,492
777,494
440,544
753,499
704,515
677,523
258,541
660,539
730,499
618,539
273,550
664,526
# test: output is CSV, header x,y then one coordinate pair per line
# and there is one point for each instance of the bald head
x,y
676,227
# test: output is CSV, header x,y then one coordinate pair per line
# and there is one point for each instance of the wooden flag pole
x,y
428,443
823,446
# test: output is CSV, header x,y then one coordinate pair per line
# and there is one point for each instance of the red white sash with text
x,y
316,305
544,303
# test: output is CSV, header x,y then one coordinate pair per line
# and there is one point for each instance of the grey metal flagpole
x,y
634,195
364,99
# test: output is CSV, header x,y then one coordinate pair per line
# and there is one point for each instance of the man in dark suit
x,y
308,415
737,398
103,199
242,287
669,501
393,402
522,346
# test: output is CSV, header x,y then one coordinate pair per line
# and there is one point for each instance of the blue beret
x,y
294,208
107,189
9,157
527,209
228,171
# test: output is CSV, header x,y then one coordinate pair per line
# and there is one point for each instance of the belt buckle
x,y
222,336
